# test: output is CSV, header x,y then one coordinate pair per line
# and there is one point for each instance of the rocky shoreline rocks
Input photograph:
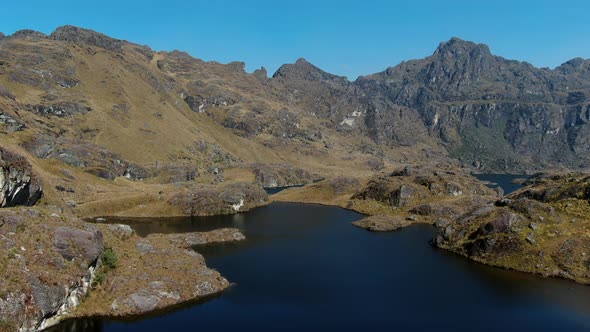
x,y
542,229
156,272
96,269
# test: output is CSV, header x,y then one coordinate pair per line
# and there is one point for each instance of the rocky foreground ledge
x,y
55,266
155,272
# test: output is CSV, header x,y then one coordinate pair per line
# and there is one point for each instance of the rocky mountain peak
x,y
261,73
457,47
575,65
238,66
69,33
304,70
28,33
302,62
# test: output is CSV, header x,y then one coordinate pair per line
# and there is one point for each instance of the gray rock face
x,y
73,34
501,224
9,123
18,186
74,243
48,298
502,114
401,197
60,110
94,159
38,285
508,113
280,175
200,104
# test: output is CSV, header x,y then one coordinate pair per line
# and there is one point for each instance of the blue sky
x,y
347,38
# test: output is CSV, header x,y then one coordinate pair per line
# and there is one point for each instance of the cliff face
x,y
500,114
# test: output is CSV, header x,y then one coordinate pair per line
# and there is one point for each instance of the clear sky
x,y
343,37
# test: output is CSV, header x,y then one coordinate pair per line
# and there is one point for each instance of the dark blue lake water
x,y
305,268
504,181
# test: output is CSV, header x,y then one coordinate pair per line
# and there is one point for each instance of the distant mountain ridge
x,y
495,114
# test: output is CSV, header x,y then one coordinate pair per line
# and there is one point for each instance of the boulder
x,y
402,196
121,231
73,243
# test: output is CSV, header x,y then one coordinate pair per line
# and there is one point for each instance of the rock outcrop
x,y
65,109
9,123
542,228
18,184
48,264
156,272
280,175
77,35
233,198
87,156
28,33
421,194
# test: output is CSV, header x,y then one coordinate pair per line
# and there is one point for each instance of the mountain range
x,y
87,99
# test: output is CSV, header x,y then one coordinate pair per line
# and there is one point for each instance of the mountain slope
x,y
503,115
112,108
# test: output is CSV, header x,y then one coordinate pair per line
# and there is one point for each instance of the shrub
x,y
110,259
99,278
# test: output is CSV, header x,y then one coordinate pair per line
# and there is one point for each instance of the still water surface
x,y
305,268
